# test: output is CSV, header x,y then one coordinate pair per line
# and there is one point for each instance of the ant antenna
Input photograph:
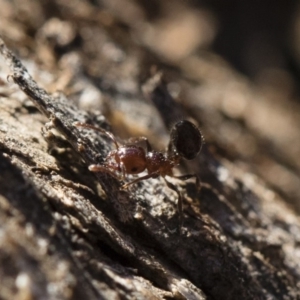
x,y
108,134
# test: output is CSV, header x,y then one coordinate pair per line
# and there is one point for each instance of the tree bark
x,y
68,233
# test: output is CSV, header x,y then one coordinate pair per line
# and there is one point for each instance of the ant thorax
x,y
158,162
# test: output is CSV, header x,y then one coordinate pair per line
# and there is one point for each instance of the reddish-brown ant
x,y
185,142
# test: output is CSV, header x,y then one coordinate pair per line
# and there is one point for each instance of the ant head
x,y
186,139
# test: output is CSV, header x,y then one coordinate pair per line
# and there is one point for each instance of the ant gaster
x,y
185,142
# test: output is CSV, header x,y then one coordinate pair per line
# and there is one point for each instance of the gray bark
x,y
68,233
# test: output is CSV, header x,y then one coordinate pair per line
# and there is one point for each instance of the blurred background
x,y
233,66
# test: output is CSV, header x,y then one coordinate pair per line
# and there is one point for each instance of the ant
x,y
185,142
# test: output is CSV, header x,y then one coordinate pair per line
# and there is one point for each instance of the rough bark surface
x,y
68,233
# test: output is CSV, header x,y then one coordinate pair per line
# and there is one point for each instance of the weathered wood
x,y
67,233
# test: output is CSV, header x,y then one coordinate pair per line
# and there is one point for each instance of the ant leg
x,y
103,169
188,176
125,186
136,140
108,134
123,169
179,203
